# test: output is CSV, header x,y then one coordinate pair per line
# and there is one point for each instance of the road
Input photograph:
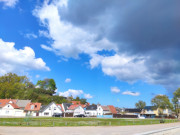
x,y
113,130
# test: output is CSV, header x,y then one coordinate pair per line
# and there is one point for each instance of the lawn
x,y
50,122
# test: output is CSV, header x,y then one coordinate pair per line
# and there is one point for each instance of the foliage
x,y
140,104
82,100
176,102
161,102
19,87
47,84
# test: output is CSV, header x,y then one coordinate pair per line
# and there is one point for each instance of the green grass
x,y
50,122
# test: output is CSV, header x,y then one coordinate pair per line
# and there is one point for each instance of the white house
x,y
91,111
102,110
76,110
11,109
50,109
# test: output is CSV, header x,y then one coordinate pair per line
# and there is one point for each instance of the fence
x,y
124,116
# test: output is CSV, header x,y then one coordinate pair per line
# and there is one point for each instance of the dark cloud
x,y
145,28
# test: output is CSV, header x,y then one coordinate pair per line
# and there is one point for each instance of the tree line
x,y
163,102
44,91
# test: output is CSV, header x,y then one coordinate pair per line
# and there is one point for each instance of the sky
x,y
112,52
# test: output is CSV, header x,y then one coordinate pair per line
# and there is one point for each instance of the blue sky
x,y
111,52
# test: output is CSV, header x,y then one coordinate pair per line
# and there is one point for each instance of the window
x,y
49,108
35,106
32,107
8,105
7,112
46,113
54,108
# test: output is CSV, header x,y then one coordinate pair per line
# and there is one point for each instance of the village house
x,y
13,107
91,111
50,110
106,110
151,112
32,109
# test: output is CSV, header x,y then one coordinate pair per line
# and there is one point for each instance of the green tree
x,y
161,102
47,84
140,104
175,100
11,85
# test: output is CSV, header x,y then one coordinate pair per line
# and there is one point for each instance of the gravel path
x,y
117,130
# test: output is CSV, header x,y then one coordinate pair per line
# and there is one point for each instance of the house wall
x,y
79,110
99,110
8,110
50,110
91,113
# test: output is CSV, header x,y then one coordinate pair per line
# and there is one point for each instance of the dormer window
x,y
32,107
35,106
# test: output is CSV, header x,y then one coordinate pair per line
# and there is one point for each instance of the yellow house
x,y
151,111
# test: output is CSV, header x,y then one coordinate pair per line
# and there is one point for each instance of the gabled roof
x,y
22,103
73,107
3,102
60,106
105,108
91,107
112,109
76,102
14,105
44,107
66,105
33,107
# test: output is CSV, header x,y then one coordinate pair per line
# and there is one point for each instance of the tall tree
x,y
140,104
12,85
47,84
161,102
176,103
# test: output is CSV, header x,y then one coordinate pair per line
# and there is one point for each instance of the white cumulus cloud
x,y
74,93
14,60
115,89
88,96
68,80
131,93
71,92
9,3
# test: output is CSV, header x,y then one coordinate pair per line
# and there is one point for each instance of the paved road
x,y
117,130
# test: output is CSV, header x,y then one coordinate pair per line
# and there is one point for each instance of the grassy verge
x,y
50,122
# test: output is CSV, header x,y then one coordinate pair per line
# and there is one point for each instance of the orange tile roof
x,y
3,102
112,109
105,108
14,105
60,106
73,107
33,107
76,102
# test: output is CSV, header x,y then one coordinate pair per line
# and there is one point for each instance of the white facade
x,y
8,110
79,111
100,111
91,113
50,110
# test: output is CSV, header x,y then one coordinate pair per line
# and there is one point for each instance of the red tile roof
x,y
76,102
3,102
60,106
112,109
73,107
33,107
14,105
105,108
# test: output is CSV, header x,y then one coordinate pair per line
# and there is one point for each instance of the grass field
x,y
50,122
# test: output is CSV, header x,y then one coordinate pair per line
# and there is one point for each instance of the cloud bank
x,y
18,61
143,35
